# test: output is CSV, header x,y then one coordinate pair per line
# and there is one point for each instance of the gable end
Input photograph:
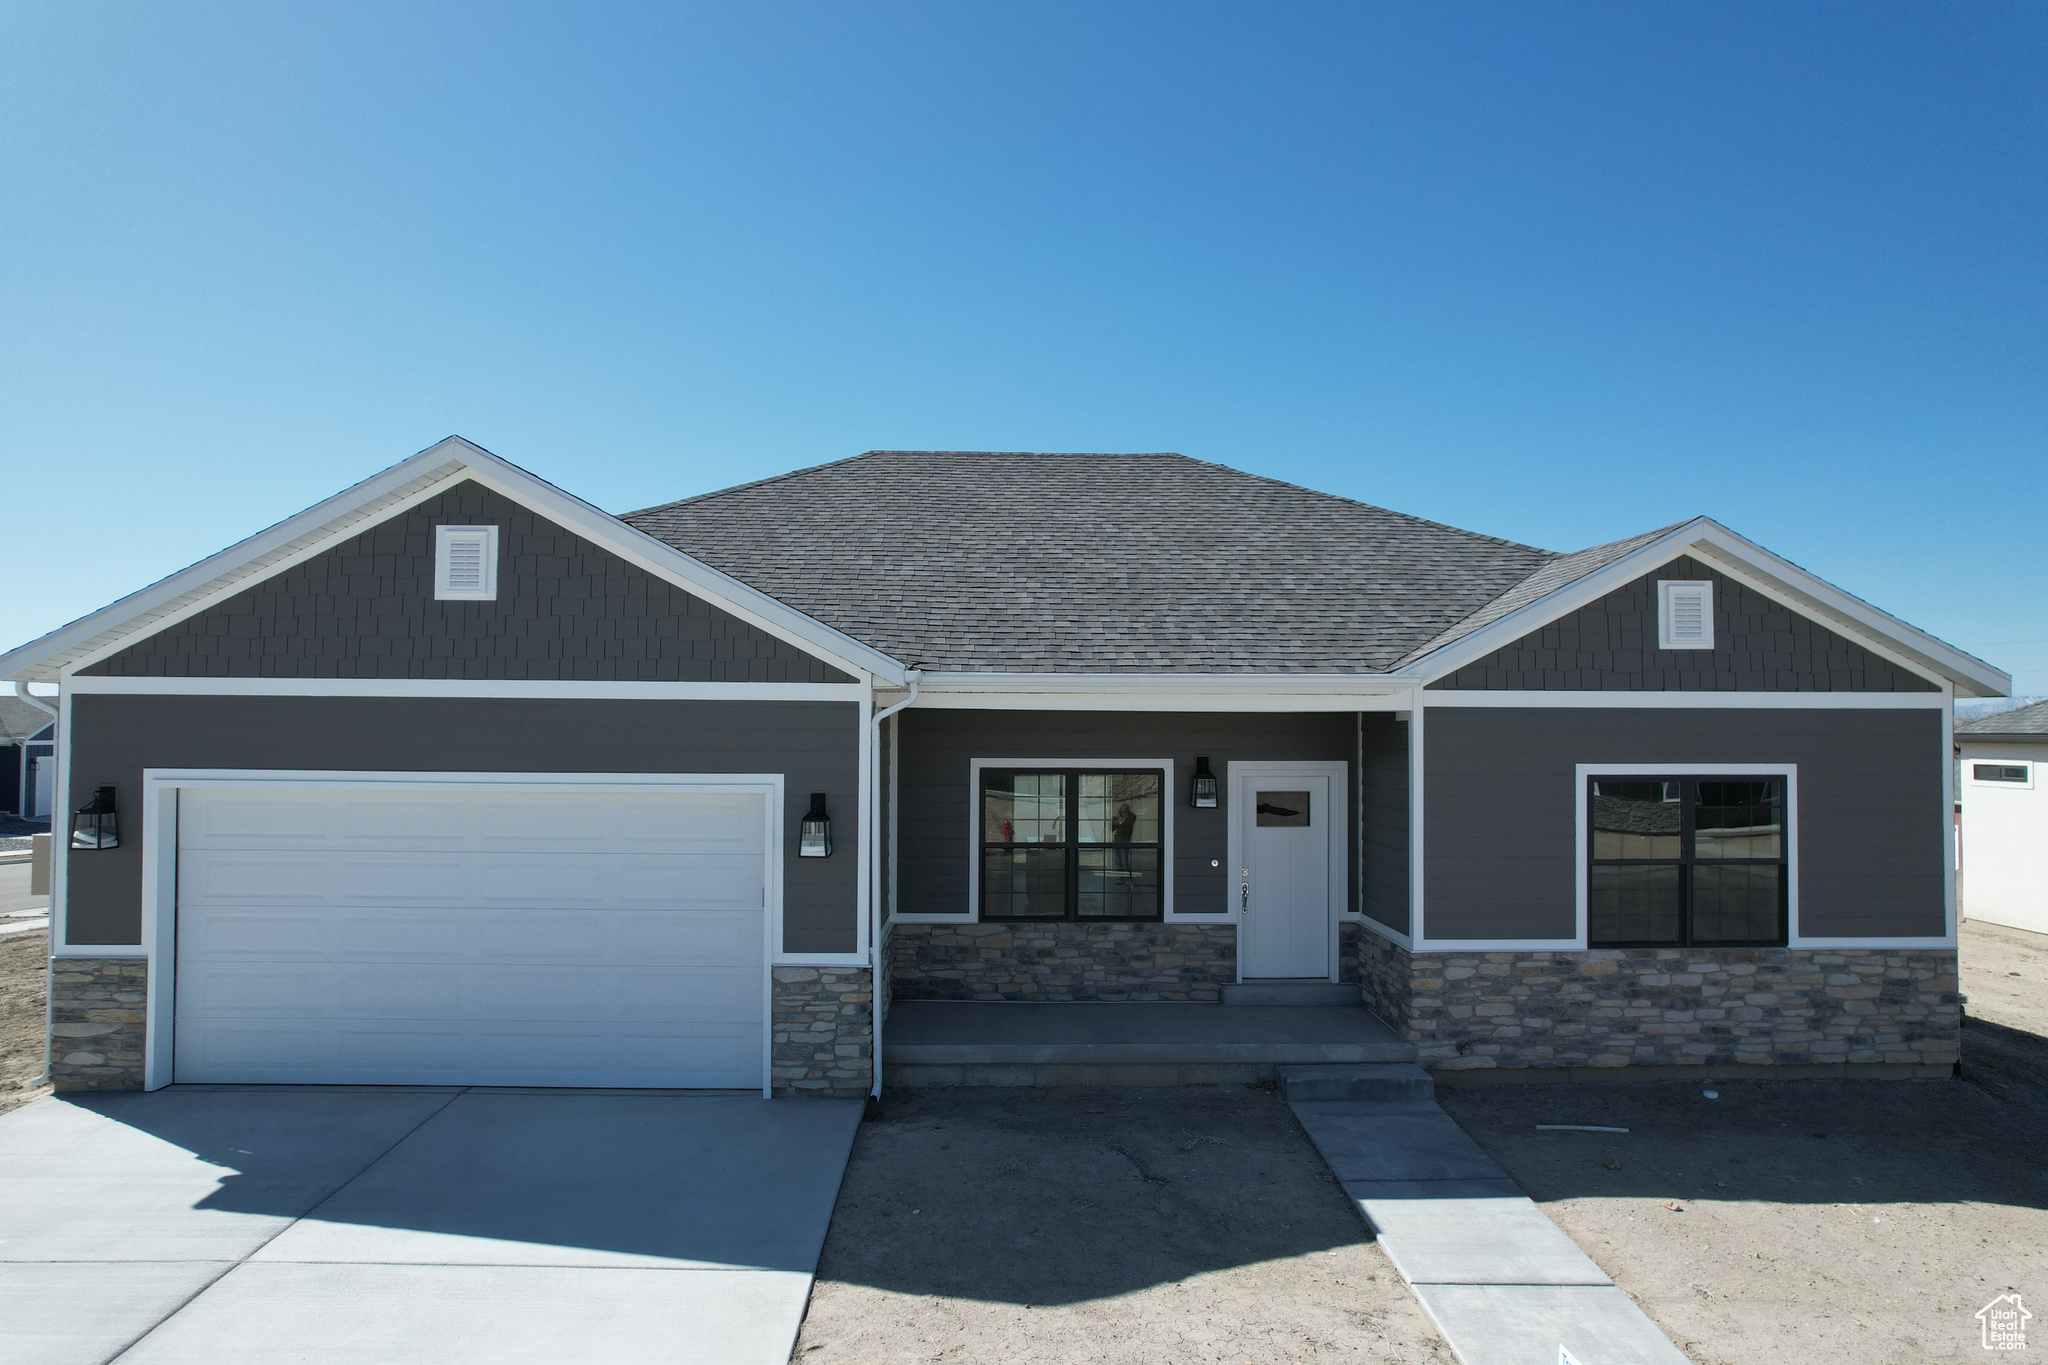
x,y
1760,645
565,610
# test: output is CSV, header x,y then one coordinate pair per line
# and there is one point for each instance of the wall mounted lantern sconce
x,y
815,834
93,824
1202,790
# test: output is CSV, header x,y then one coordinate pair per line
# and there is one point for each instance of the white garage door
x,y
449,937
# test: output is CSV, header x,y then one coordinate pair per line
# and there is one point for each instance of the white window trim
x,y
160,788
971,914
1239,776
1667,588
1970,773
444,538
1788,771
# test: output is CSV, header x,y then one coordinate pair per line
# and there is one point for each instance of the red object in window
x,y
1006,832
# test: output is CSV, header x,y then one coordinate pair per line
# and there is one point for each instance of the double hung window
x,y
1071,845
1679,861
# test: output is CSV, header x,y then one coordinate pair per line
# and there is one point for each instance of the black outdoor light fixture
x,y
92,824
1202,791
814,839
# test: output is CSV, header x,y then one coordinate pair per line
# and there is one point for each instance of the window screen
x,y
1999,772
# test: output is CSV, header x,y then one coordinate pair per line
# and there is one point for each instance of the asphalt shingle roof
x,y
2023,722
1010,562
19,720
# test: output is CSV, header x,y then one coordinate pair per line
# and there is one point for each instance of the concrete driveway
x,y
387,1226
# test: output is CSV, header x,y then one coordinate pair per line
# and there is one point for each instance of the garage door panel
x,y
624,948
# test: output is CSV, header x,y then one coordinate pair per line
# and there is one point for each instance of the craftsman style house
x,y
454,778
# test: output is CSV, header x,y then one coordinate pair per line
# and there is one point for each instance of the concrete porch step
x,y
1360,1081
1290,993
929,1042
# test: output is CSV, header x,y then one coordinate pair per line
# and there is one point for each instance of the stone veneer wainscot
x,y
824,1027
1063,960
97,1022
1666,1007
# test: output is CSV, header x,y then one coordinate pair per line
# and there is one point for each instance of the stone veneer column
x,y
97,1022
824,1031
1063,960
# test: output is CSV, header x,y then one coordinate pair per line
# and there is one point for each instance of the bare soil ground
x,y
1811,1221
1029,1227
24,987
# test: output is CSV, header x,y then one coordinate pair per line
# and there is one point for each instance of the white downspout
x,y
22,796
874,833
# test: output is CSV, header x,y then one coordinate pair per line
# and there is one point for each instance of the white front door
x,y
1287,824
458,937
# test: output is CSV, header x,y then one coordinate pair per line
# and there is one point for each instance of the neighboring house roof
x,y
2027,724
979,564
1005,562
20,721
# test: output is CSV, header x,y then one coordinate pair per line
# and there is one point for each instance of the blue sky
x,y
1559,273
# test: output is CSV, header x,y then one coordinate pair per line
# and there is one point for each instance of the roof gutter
x,y
914,677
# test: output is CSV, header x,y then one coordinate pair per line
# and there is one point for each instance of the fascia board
x,y
1707,539
85,640
1277,684
1864,622
44,659
659,557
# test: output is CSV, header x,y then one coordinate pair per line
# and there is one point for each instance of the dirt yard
x,y
24,984
1021,1227
1812,1221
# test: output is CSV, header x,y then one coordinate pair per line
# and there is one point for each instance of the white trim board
x,y
161,786
1144,699
467,689
83,642
1688,701
1753,566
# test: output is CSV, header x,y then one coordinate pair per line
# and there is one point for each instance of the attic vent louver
x,y
1685,614
466,563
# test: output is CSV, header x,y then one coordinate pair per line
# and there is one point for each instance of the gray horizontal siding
x,y
1383,781
815,745
1500,807
1759,646
938,747
565,610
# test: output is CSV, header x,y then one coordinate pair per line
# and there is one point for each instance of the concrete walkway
x,y
1504,1284
246,1226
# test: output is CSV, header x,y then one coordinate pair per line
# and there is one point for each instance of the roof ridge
x,y
752,483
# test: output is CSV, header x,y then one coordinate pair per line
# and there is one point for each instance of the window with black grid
x,y
1686,861
1075,844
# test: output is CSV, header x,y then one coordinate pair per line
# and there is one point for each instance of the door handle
x,y
1244,898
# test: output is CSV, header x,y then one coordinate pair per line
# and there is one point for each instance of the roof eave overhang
x,y
55,655
1746,561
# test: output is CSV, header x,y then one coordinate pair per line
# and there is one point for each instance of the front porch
x,y
944,1042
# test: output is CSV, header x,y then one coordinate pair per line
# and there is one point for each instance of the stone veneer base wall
x,y
1063,960
1790,1008
97,1022
824,1041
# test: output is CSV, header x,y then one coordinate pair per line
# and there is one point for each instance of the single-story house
x,y
454,778
2004,805
27,770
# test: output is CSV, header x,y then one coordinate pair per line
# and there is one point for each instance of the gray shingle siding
x,y
1611,645
565,610
1500,809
